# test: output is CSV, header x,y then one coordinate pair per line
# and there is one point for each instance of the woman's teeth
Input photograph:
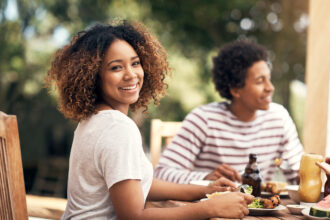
x,y
129,87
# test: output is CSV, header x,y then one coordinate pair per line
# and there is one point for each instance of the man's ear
x,y
235,92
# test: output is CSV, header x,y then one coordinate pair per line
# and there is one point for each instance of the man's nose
x,y
269,86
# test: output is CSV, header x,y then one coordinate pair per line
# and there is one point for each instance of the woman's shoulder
x,y
107,124
108,118
116,118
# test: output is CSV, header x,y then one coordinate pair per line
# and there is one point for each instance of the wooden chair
x,y
14,203
161,130
12,189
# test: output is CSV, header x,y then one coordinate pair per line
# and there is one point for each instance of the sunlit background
x,y
191,31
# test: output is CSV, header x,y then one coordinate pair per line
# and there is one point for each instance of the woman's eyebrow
x,y
113,61
118,60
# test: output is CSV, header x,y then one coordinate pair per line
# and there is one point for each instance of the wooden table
x,y
53,208
45,207
283,214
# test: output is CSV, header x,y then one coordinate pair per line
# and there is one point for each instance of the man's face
x,y
258,89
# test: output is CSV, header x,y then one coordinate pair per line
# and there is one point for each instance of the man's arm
x,y
293,149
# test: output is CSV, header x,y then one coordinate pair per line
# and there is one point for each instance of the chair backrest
x,y
158,131
12,190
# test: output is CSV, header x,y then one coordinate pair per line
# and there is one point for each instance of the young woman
x,y
105,71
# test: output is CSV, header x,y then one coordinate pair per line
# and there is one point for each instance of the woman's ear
x,y
235,92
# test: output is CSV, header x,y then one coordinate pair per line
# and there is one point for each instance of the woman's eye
x,y
136,63
114,68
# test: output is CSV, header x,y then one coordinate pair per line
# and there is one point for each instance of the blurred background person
x,y
216,139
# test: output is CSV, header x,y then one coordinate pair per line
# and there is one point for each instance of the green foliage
x,y
257,203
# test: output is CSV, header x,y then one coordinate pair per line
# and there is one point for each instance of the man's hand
x,y
226,171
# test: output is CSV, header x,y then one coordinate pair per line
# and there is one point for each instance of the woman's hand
x,y
224,170
220,185
229,205
324,166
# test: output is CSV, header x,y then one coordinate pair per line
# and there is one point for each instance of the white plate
x,y
201,182
261,211
305,212
270,194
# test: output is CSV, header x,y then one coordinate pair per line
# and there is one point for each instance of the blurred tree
x,y
192,32
201,27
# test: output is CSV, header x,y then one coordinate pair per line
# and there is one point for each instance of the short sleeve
x,y
118,153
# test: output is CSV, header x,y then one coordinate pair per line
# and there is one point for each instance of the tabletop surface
x,y
53,208
282,214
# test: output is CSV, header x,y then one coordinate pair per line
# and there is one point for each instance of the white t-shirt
x,y
106,149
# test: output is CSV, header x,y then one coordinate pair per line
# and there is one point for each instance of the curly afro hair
x,y
76,67
232,62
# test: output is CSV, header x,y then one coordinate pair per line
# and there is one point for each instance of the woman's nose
x,y
129,73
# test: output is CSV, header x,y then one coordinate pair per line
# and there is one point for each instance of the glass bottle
x,y
327,183
310,178
251,175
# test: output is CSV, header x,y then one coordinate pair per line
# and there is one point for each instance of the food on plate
x,y
278,161
212,195
274,187
245,188
242,188
310,178
257,203
322,208
265,203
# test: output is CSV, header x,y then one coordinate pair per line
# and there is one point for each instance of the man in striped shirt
x,y
216,139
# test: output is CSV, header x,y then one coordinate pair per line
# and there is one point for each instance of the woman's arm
x,y
162,190
127,199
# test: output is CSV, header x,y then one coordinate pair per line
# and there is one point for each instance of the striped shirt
x,y
211,135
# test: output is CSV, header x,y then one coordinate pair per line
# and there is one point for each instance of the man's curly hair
x,y
232,62
75,70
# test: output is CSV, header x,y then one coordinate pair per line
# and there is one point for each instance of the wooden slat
x,y
6,211
12,172
159,130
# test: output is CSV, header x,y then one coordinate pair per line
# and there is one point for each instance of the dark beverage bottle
x,y
327,183
251,175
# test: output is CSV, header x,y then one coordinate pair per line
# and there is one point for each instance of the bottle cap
x,y
253,156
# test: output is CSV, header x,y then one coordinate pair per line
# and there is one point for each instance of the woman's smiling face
x,y
121,76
